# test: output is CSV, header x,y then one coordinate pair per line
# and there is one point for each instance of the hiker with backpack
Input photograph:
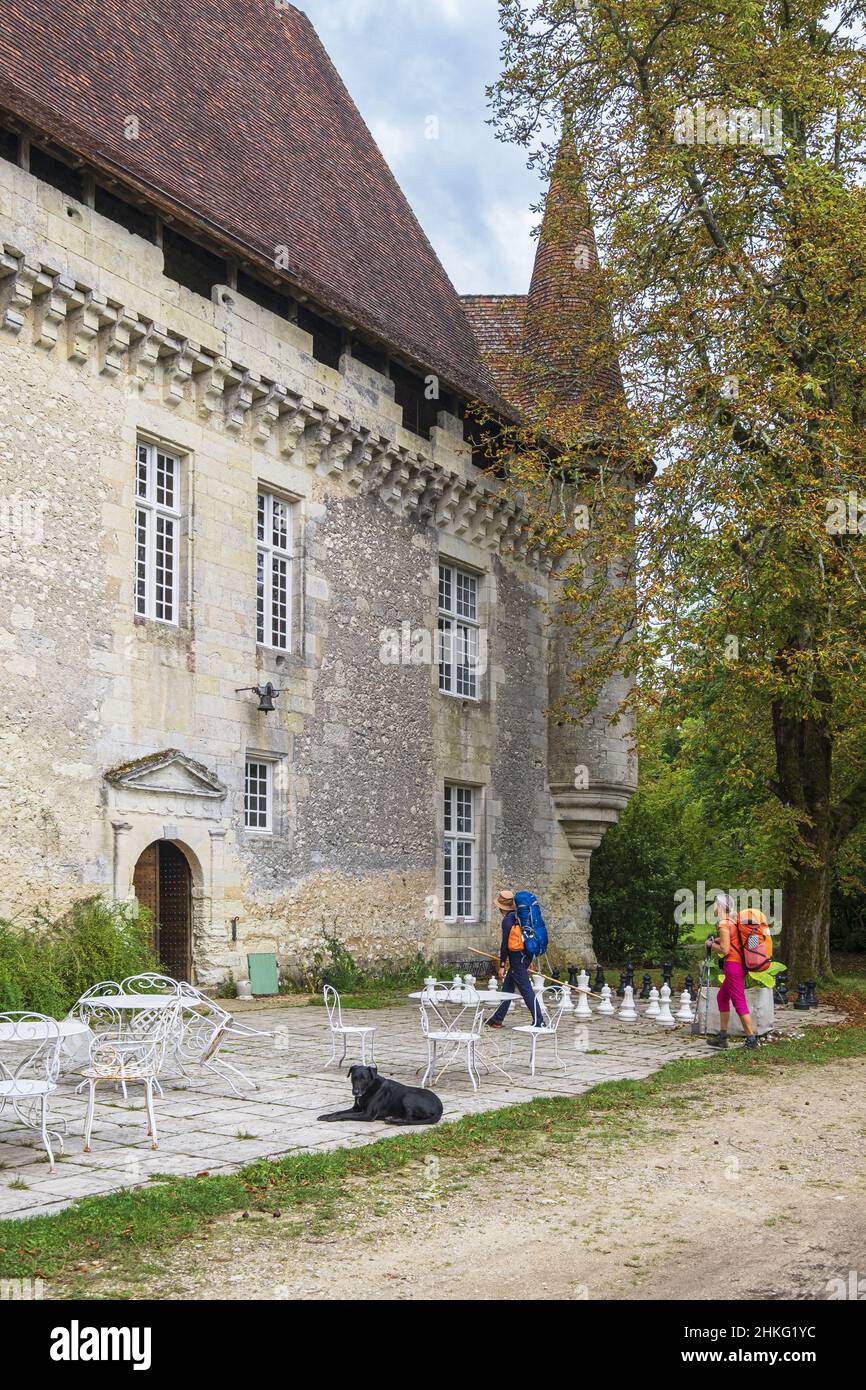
x,y
741,945
514,957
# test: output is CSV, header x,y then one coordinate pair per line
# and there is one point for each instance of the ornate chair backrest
x,y
552,1006
437,1017
31,1044
141,1055
151,983
333,1007
204,1023
98,1016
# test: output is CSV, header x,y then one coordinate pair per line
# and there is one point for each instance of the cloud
x,y
403,62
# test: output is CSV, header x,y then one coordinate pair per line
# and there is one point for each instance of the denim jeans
x,y
518,979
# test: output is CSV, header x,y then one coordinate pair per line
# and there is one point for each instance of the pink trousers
x,y
733,989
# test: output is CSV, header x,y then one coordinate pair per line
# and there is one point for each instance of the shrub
x,y
47,965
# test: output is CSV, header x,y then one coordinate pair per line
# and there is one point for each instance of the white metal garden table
x,y
454,1003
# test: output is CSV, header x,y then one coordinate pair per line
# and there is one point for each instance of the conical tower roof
x,y
574,380
551,352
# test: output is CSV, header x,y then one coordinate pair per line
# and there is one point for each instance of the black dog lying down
x,y
378,1098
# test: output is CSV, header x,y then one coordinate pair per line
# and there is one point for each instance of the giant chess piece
x,y
599,982
783,987
646,987
565,1000
622,982
627,1010
582,1009
652,1008
802,1000
667,974
811,986
556,974
664,1015
689,985
572,976
629,975
685,1013
606,1005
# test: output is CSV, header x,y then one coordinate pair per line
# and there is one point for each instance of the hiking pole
x,y
475,951
706,973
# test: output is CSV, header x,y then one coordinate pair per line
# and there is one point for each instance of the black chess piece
x,y
667,972
572,975
621,987
690,986
784,987
802,1000
646,987
811,986
556,974
629,974
599,980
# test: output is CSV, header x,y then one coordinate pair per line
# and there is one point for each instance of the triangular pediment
x,y
170,771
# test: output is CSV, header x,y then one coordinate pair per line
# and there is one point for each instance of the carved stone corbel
x,y
85,322
51,308
266,412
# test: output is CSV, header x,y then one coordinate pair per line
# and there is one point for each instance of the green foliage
x,y
46,965
332,963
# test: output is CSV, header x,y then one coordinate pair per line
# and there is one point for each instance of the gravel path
x,y
752,1188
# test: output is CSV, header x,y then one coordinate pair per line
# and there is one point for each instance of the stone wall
x,y
97,349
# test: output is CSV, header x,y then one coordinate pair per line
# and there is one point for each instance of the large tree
x,y
721,148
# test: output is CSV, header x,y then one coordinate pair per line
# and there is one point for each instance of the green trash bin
x,y
264,976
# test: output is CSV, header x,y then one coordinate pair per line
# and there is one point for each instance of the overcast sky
x,y
405,61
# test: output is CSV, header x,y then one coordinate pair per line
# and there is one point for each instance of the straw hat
x,y
505,900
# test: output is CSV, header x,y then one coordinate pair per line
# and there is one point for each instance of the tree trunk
x,y
805,947
804,759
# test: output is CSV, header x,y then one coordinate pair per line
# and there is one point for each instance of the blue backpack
x,y
531,923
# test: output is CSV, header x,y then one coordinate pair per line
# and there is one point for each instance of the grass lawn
x,y
134,1226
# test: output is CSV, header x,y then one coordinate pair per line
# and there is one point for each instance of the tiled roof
x,y
551,351
498,322
247,132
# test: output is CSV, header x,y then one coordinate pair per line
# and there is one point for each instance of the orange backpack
x,y
754,940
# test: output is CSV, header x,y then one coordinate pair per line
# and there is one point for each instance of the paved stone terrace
x,y
205,1127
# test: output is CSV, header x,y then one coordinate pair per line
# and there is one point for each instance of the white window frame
x,y
259,761
153,514
458,632
457,841
268,553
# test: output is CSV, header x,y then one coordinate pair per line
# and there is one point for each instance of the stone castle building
x,y
241,495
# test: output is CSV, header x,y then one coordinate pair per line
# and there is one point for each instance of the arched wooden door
x,y
163,883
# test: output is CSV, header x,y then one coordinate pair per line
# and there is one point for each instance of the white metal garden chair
x,y
552,1007
441,1028
28,1075
205,1026
124,1060
339,1029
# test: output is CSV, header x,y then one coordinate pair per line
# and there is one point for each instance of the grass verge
x,y
99,1229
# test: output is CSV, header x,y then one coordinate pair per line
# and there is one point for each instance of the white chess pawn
x,y
652,1008
567,1001
627,1010
429,987
685,1013
493,984
582,1009
664,1015
456,989
606,1007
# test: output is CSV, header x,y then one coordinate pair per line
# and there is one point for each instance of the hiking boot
x,y
492,1023
720,1040
751,1043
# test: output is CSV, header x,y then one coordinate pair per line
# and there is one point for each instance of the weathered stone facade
x,y
99,350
